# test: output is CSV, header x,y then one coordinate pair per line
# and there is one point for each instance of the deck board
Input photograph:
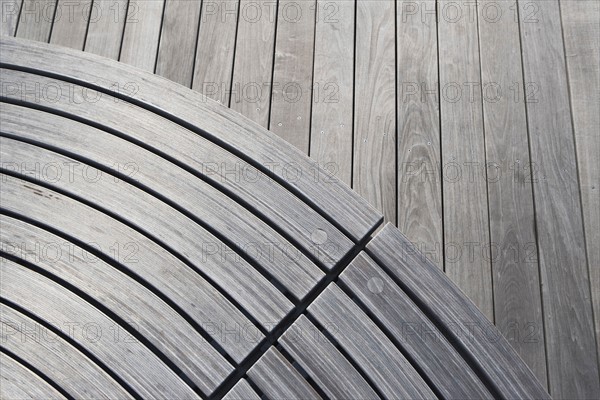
x,y
20,383
71,23
9,16
142,33
35,21
105,29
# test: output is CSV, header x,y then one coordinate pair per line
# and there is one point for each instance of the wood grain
x,y
105,30
142,33
581,25
333,89
178,41
291,95
572,361
465,203
9,16
70,23
242,391
17,382
517,297
419,175
35,21
374,165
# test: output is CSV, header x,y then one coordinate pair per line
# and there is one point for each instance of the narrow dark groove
x,y
392,338
210,181
296,365
254,387
345,354
228,242
351,183
109,313
312,78
19,18
205,134
191,84
273,65
439,95
162,21
87,27
36,371
453,339
396,115
125,15
231,83
119,267
289,319
73,343
53,20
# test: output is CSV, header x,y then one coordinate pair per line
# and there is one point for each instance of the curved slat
x,y
344,207
132,302
368,346
17,382
417,335
244,283
255,239
62,363
133,362
188,290
242,391
278,379
443,301
324,363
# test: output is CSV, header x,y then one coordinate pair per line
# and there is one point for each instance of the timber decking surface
x,y
501,193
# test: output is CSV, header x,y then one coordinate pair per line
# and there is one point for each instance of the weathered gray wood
x,y
253,67
318,237
572,361
70,23
105,30
203,303
323,362
375,106
9,16
419,160
254,238
278,379
142,32
242,391
376,355
132,361
344,208
291,95
57,359
333,88
232,273
517,297
178,37
466,327
418,337
465,203
129,300
581,25
213,68
17,382
35,21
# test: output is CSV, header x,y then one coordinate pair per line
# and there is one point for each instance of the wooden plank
x,y
70,23
185,289
58,360
293,72
278,379
581,25
142,33
256,190
572,363
35,20
517,297
132,361
213,68
105,30
253,67
377,356
333,88
465,204
418,338
175,338
419,159
238,229
257,295
9,16
242,391
178,41
263,150
323,362
463,324
375,106
17,382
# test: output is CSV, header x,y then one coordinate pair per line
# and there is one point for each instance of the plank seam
x,y
296,365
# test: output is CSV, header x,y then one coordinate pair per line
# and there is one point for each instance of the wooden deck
x,y
474,128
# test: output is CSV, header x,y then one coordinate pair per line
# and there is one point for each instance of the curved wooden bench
x,y
133,204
